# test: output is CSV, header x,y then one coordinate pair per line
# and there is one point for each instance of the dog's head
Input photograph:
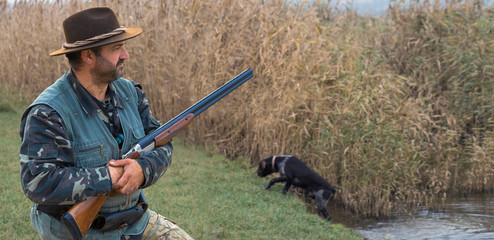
x,y
265,167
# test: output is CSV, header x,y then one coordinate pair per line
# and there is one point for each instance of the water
x,y
462,218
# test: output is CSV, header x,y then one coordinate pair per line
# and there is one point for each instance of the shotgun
x,y
80,217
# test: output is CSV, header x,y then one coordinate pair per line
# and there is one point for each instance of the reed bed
x,y
395,110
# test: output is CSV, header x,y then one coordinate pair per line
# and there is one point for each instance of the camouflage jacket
x,y
48,173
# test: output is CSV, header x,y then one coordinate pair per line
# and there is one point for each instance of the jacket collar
x,y
87,101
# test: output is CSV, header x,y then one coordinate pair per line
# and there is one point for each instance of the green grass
x,y
206,194
14,206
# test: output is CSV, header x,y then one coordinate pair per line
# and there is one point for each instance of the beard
x,y
105,71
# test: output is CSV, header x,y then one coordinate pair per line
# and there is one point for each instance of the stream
x,y
469,217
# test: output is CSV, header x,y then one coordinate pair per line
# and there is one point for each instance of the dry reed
x,y
395,111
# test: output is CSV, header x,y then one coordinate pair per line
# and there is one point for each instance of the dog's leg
x,y
275,180
286,187
322,198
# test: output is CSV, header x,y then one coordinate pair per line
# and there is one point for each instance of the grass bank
x,y
206,194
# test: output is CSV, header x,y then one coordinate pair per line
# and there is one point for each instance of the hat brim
x,y
129,33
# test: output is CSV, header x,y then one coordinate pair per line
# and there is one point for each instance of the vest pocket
x,y
90,154
137,134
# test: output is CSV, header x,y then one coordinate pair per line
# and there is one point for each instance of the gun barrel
x,y
199,106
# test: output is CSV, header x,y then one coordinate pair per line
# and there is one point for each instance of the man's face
x,y
109,63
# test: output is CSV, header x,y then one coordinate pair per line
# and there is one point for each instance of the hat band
x,y
95,38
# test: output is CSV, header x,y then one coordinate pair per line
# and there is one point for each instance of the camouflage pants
x,y
160,228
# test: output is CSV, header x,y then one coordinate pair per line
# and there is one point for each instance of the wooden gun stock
x,y
80,217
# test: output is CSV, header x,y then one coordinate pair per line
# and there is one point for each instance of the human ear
x,y
87,56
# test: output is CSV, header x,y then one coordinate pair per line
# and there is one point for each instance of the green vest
x,y
92,143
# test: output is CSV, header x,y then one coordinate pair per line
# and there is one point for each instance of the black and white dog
x,y
293,171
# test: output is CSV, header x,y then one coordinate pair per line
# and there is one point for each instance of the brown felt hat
x,y
93,27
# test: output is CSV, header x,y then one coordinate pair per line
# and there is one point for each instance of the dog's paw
x,y
267,186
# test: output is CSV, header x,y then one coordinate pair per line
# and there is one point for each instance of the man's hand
x,y
115,172
132,177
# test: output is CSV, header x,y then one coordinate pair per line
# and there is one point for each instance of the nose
x,y
123,53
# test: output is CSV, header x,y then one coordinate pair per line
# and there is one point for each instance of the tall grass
x,y
395,110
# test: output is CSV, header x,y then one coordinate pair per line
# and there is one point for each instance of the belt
x,y
56,211
103,221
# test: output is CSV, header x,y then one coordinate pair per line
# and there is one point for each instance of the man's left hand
x,y
132,177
